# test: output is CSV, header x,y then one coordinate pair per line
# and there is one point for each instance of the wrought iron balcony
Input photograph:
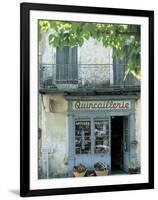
x,y
83,77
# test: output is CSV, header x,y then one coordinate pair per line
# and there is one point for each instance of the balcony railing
x,y
66,77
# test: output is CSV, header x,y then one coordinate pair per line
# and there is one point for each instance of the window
x,y
101,136
66,65
83,136
91,136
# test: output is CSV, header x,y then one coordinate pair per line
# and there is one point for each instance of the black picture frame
x,y
25,136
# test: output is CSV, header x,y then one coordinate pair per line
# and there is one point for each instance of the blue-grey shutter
x,y
61,64
72,67
119,68
66,64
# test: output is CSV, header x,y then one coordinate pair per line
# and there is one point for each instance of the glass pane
x,y
83,137
101,131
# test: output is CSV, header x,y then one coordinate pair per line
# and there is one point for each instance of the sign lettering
x,y
102,105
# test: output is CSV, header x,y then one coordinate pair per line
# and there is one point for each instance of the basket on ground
x,y
101,169
79,170
101,173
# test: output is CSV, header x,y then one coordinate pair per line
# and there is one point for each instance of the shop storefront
x,y
101,130
89,110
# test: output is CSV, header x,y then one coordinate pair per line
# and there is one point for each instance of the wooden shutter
x,y
119,68
66,65
118,71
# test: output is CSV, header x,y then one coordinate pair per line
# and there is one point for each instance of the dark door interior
x,y
116,143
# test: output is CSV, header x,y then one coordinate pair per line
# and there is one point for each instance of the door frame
x,y
126,154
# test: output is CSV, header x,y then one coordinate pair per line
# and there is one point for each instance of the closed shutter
x,y
119,68
66,65
118,71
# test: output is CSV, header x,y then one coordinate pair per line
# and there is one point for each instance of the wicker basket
x,y
81,174
101,173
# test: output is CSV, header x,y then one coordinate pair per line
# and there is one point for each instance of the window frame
x,y
92,136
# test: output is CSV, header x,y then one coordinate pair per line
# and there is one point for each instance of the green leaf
x,y
136,73
44,25
51,39
115,36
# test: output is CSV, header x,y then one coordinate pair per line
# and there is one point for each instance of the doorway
x,y
117,144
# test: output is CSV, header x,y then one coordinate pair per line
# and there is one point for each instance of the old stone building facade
x,y
88,113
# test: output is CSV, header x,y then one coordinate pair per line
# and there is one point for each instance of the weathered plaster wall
x,y
46,52
47,57
99,60
54,138
93,52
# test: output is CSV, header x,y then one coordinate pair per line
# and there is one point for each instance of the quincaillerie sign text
x,y
101,105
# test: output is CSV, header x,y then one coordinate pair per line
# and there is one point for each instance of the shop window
x,y
101,136
91,136
83,137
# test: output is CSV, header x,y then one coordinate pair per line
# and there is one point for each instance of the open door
x,y
125,143
119,144
116,144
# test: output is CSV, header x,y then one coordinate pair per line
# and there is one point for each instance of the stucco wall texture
x,y
54,135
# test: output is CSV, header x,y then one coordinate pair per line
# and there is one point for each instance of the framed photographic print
x,y
87,99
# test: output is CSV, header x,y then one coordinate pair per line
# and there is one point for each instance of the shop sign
x,y
102,105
